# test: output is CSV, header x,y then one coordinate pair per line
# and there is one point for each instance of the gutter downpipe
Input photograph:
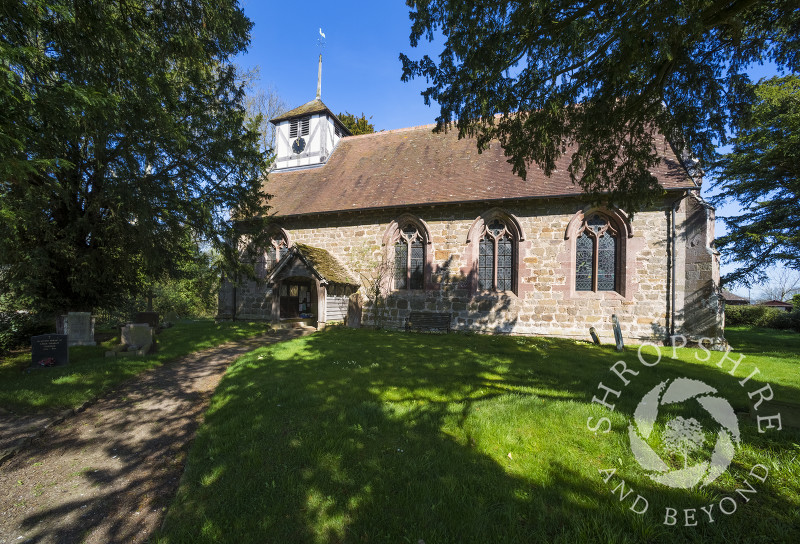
x,y
672,275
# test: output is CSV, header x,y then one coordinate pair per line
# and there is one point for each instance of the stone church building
x,y
368,229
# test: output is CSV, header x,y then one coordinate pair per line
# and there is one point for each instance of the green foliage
x,y
194,294
762,175
17,327
762,316
356,125
546,74
796,301
125,143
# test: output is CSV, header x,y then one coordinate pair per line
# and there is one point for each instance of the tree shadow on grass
x,y
366,437
109,471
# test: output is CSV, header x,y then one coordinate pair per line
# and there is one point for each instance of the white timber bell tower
x,y
306,136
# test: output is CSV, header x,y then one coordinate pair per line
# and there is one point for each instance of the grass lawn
x,y
369,436
90,373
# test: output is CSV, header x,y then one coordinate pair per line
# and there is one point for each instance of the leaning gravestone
x,y
138,338
617,333
79,328
595,338
49,350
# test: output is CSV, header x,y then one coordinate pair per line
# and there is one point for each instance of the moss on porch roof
x,y
325,264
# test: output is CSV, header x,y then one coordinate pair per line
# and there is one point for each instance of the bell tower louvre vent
x,y
299,127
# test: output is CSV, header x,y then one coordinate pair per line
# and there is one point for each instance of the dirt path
x,y
108,473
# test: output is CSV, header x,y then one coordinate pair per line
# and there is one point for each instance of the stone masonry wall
x,y
703,310
545,303
252,300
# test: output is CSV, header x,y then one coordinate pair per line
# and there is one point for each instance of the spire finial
x,y
321,42
319,79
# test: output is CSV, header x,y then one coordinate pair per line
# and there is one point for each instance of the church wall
x,y
544,303
250,299
704,307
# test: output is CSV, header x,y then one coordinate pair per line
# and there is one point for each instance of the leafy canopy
x,y
124,142
356,125
594,79
762,174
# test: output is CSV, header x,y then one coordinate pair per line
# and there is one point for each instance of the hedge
x,y
762,316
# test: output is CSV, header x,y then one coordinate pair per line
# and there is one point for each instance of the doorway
x,y
296,296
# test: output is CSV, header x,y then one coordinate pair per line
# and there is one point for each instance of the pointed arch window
x,y
277,248
409,258
596,255
496,250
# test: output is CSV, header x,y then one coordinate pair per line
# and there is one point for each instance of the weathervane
x,y
321,40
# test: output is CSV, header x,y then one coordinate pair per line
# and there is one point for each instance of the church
x,y
369,230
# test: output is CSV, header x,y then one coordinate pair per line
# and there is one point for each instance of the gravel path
x,y
108,473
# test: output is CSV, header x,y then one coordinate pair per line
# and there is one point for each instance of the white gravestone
x,y
139,336
79,328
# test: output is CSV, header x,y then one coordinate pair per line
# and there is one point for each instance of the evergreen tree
x,y
124,145
595,79
762,175
356,125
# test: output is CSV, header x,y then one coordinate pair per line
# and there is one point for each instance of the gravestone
x,y
49,346
151,318
595,338
79,328
617,333
137,338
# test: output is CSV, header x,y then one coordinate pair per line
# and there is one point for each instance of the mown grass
x,y
365,436
90,373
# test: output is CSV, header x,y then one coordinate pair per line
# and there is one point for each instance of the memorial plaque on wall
x,y
49,350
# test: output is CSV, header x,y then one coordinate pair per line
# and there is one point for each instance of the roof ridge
x,y
392,131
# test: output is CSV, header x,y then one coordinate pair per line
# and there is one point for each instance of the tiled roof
x,y
315,106
730,297
415,166
777,304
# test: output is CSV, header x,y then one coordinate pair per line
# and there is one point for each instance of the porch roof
x,y
320,263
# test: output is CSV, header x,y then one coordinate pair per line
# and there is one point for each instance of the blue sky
x,y
360,67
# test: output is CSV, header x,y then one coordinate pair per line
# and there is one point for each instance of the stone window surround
x,y
273,232
627,248
391,236
474,236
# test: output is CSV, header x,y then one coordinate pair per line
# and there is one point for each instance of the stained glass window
x,y
485,263
496,228
275,251
596,256
409,259
417,262
584,263
400,264
606,263
496,258
504,263
596,223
